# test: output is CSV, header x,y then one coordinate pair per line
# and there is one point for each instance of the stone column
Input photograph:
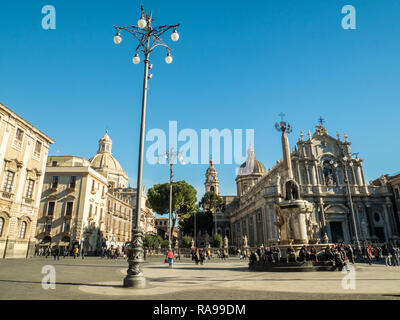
x,y
370,219
387,222
287,162
264,223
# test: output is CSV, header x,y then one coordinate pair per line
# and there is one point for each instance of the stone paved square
x,y
94,278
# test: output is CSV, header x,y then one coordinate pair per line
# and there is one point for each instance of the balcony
x,y
71,188
28,201
7,195
53,187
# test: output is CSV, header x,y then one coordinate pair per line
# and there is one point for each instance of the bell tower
x,y
212,183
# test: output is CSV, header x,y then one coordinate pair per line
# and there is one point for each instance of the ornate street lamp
x,y
171,156
149,38
346,180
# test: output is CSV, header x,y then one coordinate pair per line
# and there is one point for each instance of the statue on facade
x,y
176,244
226,242
326,238
245,244
192,243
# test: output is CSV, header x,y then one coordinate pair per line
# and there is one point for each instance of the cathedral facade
x,y
327,175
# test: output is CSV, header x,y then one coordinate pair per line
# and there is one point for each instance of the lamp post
x,y
346,180
171,156
149,38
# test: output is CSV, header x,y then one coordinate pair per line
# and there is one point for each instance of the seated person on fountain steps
x,y
290,254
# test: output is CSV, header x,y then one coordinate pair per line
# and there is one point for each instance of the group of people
x,y
389,252
57,252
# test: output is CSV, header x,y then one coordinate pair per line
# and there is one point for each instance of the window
x,y
54,164
1,226
38,149
47,227
67,225
19,136
72,182
29,189
90,210
101,213
396,191
68,211
54,183
22,230
8,181
50,208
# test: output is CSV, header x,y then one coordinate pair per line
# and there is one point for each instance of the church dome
x,y
251,166
104,161
258,167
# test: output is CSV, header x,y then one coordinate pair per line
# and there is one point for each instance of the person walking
x,y
395,257
170,258
350,253
386,255
57,253
369,254
83,252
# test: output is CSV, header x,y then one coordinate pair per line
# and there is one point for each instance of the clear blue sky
x,y
236,65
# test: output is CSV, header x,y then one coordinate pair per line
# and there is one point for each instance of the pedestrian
x,y
386,255
76,251
350,253
369,254
395,257
170,258
83,252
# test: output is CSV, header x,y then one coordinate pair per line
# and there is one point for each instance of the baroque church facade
x,y
329,177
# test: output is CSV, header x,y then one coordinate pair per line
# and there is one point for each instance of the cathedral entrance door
x,y
380,233
336,232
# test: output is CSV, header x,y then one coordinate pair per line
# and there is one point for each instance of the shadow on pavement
x,y
66,283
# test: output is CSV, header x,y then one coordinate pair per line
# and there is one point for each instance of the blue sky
x,y
237,65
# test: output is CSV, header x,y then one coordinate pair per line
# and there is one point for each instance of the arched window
x,y
22,230
1,226
212,189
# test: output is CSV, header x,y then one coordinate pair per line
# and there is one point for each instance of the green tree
x,y
186,241
152,241
211,201
217,241
204,222
183,199
164,243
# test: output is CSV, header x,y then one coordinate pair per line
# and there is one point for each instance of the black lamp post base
x,y
131,281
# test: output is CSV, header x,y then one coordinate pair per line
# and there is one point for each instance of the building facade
x,y
23,156
329,177
73,204
87,203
